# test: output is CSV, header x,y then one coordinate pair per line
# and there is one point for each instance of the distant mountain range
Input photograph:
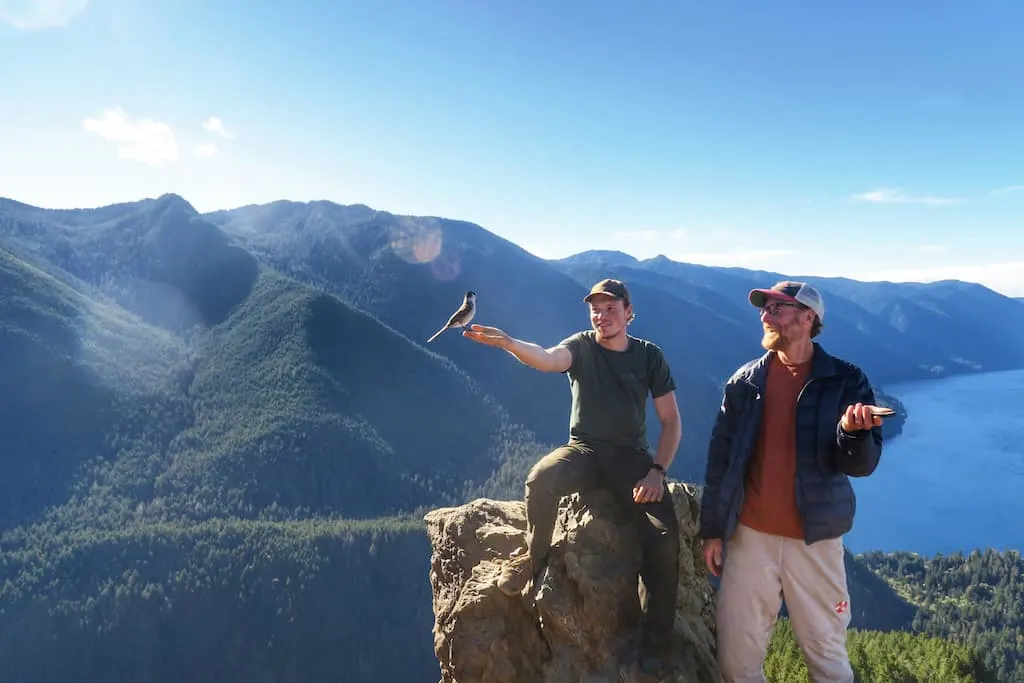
x,y
306,323
166,370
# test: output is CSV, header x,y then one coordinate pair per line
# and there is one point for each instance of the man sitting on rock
x,y
794,425
610,376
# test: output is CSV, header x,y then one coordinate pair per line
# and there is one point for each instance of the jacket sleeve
x,y
711,526
857,453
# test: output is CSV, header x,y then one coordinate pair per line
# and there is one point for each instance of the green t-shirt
x,y
610,388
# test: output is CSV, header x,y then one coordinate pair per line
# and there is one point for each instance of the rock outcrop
x,y
583,616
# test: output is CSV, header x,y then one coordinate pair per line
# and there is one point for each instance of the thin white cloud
x,y
143,140
932,248
1006,277
898,196
1009,189
214,125
208,149
40,14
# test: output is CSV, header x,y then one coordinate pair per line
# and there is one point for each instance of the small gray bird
x,y
461,317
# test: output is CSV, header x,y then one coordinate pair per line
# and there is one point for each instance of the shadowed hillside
x,y
305,403
81,380
157,257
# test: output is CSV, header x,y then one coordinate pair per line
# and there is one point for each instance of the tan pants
x,y
759,570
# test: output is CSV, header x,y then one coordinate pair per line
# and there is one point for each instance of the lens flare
x,y
415,241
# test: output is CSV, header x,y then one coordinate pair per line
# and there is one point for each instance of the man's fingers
x,y
710,561
712,550
865,419
859,416
646,494
639,493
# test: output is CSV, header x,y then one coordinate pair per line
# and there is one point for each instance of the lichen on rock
x,y
582,619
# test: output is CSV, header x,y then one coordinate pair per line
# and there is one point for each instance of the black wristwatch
x,y
656,466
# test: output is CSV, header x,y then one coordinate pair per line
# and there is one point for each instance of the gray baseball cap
x,y
794,292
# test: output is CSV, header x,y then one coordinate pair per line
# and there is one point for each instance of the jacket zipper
x,y
799,481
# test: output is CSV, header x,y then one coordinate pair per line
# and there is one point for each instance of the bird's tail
x,y
437,334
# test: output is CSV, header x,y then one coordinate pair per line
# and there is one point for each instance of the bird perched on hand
x,y
461,317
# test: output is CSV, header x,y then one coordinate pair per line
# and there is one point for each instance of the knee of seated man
x,y
541,478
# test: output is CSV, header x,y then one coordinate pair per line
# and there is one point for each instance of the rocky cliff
x,y
583,617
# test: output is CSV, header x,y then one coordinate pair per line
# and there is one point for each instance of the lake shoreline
x,y
950,477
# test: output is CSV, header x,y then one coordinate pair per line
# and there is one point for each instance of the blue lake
x,y
954,479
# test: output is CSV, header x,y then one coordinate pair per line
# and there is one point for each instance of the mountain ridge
x,y
410,272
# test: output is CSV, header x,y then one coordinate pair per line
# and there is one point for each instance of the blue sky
x,y
872,140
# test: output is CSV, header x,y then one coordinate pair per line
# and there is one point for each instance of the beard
x,y
773,340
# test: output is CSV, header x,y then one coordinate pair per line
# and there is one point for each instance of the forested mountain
x,y
975,598
220,430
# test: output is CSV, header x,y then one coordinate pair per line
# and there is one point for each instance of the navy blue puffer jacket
x,y
826,455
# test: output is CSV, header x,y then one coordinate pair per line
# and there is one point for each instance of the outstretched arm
x,y
554,359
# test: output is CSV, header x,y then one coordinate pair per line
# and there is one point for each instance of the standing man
x,y
794,425
610,376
